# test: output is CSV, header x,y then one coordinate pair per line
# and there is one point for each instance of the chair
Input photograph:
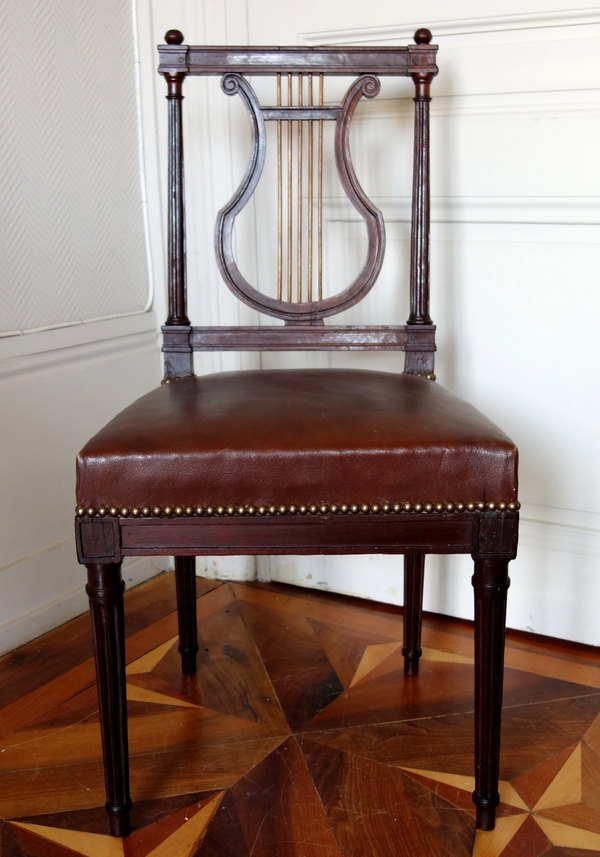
x,y
360,461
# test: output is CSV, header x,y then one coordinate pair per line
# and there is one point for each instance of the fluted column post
x,y
105,591
176,213
419,243
178,356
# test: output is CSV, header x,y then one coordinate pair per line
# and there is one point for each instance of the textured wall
x,y
72,250
72,233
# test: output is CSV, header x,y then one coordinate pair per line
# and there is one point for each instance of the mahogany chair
x,y
356,461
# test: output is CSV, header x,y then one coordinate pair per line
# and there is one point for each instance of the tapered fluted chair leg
x,y
105,591
414,570
490,583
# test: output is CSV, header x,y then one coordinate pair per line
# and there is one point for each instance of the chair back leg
x,y
105,591
185,582
414,571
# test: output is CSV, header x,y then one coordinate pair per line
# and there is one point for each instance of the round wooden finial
x,y
175,37
422,36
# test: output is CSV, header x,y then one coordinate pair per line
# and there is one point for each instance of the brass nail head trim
x,y
293,509
176,378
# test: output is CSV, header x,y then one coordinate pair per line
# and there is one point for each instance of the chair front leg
x,y
185,582
490,584
414,571
105,590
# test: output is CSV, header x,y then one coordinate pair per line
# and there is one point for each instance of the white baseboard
x,y
506,24
555,588
558,561
238,568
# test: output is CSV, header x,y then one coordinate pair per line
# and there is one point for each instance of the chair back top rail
x,y
199,60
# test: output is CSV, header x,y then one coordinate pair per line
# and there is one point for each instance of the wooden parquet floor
x,y
299,737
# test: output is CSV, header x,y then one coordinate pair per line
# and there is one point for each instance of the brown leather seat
x,y
330,436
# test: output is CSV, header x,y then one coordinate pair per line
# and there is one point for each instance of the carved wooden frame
x,y
304,321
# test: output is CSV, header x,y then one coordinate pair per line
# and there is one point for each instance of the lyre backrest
x,y
299,300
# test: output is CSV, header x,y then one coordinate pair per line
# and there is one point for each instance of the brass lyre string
x,y
279,201
320,197
289,197
299,248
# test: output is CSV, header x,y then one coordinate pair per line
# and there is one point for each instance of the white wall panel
x,y
215,161
515,256
217,144
52,401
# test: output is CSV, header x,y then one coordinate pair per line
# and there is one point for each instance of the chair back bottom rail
x,y
307,338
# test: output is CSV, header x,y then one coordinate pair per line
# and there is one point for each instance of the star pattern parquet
x,y
298,737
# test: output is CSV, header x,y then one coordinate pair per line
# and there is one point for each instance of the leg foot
x,y
185,581
119,820
105,591
486,813
490,584
414,570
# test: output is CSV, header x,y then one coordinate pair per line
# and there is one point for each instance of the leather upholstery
x,y
297,436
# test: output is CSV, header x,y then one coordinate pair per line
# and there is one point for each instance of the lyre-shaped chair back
x,y
300,302
300,112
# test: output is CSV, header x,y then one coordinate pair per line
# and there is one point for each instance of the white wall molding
x,y
548,535
79,333
457,27
557,103
38,552
123,346
576,519
570,211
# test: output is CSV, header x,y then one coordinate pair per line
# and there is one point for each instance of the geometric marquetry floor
x,y
298,736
